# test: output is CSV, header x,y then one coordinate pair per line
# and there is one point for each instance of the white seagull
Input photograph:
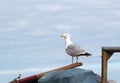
x,y
73,49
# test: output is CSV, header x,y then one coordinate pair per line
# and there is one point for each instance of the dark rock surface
x,y
75,75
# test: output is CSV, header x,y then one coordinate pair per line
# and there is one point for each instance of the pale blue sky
x,y
30,30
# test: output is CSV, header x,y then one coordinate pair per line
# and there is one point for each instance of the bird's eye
x,y
66,34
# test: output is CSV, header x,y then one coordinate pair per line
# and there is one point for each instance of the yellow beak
x,y
62,36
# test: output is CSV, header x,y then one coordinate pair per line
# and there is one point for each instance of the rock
x,y
75,75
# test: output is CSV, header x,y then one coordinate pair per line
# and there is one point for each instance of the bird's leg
x,y
77,59
72,60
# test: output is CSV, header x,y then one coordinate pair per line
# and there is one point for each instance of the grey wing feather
x,y
74,50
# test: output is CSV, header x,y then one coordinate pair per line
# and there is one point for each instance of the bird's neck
x,y
68,42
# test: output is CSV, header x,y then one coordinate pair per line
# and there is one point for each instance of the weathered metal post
x,y
104,67
106,54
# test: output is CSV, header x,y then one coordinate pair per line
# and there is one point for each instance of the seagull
x,y
73,49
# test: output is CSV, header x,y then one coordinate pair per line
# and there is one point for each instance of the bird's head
x,y
65,35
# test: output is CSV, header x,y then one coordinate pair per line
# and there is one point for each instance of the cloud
x,y
51,7
24,71
116,12
21,23
65,27
112,24
37,33
2,30
40,7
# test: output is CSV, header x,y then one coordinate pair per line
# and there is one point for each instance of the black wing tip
x,y
88,54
